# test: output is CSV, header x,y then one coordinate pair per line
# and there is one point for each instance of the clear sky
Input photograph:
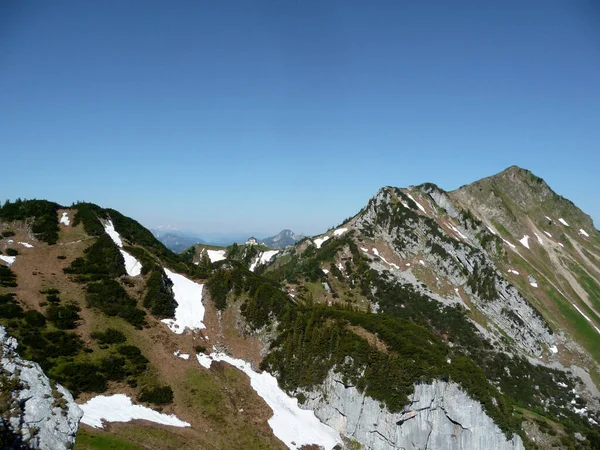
x,y
220,116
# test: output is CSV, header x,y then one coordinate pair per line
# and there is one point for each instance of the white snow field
x,y
26,244
216,255
264,258
583,232
9,260
132,265
64,219
340,231
563,221
319,241
190,310
525,241
296,427
416,202
110,230
119,408
395,266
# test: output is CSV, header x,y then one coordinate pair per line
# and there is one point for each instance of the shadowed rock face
x,y
35,414
439,416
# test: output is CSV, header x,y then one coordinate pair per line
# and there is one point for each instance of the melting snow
x,y
560,243
296,427
119,408
264,258
548,234
492,231
395,266
319,241
560,383
8,259
421,262
190,310
325,271
110,230
366,250
132,265
554,349
511,245
181,355
340,231
453,228
65,219
339,266
216,255
418,204
525,241
539,239
26,245
583,233
513,271
561,220
548,218
204,360
533,284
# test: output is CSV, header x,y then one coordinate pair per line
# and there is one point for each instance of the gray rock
x,y
439,416
43,414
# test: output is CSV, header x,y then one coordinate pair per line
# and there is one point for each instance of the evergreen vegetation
x,y
43,213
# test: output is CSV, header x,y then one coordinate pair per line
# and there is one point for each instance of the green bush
x,y
159,298
44,213
158,395
35,319
12,251
110,336
64,317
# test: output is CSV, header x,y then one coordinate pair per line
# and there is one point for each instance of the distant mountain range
x,y
178,240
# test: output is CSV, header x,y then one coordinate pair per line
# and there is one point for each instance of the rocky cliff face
x,y
35,413
463,261
439,416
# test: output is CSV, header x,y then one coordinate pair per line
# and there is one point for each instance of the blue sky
x,y
257,116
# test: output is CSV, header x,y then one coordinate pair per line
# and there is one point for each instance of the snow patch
x,y
216,255
491,231
417,203
181,355
554,350
456,230
533,284
264,258
65,219
513,271
540,241
132,265
110,230
9,260
563,221
26,245
395,266
548,234
325,271
366,250
119,408
525,241
583,233
204,360
560,243
319,241
190,310
421,262
340,231
511,245
296,427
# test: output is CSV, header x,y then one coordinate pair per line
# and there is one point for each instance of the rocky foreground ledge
x,y
36,413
